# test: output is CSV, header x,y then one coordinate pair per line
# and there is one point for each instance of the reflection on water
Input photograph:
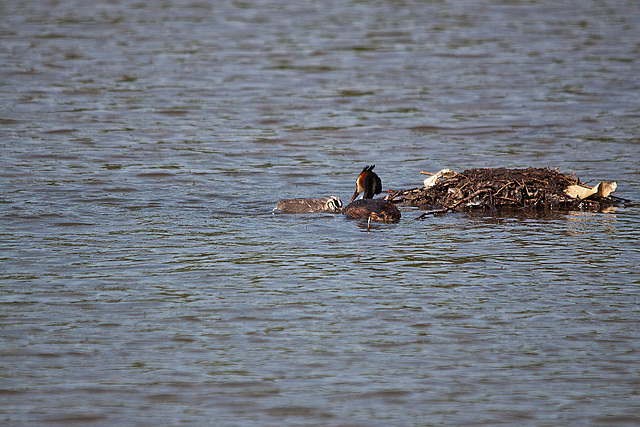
x,y
146,279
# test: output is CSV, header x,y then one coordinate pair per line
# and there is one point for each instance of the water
x,y
145,279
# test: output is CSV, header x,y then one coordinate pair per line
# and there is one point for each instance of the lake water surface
x,y
146,280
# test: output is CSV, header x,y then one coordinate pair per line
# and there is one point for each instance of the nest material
x,y
500,188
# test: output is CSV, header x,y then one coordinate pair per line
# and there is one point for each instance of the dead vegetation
x,y
501,188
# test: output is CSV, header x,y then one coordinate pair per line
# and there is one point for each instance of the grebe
x,y
368,183
323,204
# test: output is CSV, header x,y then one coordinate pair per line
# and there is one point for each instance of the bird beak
x,y
355,194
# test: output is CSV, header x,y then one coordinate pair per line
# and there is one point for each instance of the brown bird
x,y
381,210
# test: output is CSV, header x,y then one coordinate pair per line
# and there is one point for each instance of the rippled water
x,y
146,280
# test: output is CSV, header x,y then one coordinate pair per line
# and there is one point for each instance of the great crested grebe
x,y
368,183
323,204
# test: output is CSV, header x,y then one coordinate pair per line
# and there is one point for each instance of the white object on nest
x,y
433,179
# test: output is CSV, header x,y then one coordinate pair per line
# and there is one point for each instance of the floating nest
x,y
506,189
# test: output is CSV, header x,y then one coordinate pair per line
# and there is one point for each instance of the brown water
x,y
145,279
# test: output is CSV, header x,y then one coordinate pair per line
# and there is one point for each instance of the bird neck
x,y
368,193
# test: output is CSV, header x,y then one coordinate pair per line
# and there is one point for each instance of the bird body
x,y
379,210
369,184
322,204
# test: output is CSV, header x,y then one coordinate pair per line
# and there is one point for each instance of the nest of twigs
x,y
500,188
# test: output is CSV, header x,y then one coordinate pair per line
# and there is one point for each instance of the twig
x,y
459,190
504,186
539,180
393,195
433,212
471,196
455,205
508,198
